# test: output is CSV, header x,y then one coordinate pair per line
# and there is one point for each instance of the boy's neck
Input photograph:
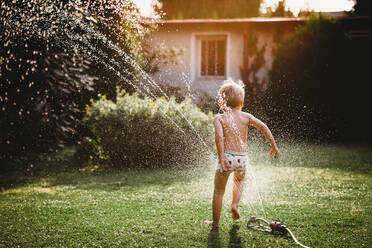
x,y
233,110
236,109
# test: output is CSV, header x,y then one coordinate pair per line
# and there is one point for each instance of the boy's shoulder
x,y
246,114
247,117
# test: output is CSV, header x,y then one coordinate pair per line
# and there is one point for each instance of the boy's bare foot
x,y
235,213
210,223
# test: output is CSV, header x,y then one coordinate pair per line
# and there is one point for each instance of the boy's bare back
x,y
234,125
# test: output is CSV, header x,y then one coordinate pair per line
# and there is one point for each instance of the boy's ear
x,y
241,104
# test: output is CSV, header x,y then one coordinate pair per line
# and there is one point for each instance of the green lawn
x,y
322,192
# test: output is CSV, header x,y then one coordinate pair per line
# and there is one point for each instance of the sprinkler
x,y
272,228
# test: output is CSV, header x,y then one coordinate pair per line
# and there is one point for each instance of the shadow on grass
x,y
214,240
235,241
63,169
117,179
27,169
108,179
355,158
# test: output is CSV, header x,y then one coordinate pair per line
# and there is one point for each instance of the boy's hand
x,y
274,151
225,164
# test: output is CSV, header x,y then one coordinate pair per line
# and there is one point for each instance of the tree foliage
x,y
180,9
279,11
363,7
54,57
319,81
254,60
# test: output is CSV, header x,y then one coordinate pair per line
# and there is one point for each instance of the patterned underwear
x,y
238,162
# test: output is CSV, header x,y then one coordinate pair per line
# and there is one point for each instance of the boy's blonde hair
x,y
231,93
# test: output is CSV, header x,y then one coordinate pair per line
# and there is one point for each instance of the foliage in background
x,y
279,11
52,63
204,101
319,82
119,55
306,13
180,9
208,103
157,57
142,132
362,8
254,60
254,88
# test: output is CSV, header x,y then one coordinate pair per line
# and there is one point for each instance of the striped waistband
x,y
236,153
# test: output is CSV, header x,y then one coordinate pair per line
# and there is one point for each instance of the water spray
x,y
272,228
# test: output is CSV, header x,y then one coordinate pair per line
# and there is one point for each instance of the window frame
x,y
196,54
200,52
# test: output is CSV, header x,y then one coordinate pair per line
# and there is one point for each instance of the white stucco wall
x,y
185,74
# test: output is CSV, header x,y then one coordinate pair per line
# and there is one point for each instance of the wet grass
x,y
323,193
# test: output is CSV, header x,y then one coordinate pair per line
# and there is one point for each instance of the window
x,y
212,55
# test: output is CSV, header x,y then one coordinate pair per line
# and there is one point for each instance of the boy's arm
x,y
268,135
219,139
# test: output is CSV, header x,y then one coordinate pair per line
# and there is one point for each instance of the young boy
x,y
231,129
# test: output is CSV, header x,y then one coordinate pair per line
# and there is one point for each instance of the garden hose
x,y
273,228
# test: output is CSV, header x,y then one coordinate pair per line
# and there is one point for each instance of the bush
x,y
51,64
204,101
142,132
319,82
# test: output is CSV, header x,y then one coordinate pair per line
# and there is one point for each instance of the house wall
x,y
184,36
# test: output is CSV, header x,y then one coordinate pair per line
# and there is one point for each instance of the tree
x,y
363,7
319,81
280,10
306,13
180,9
54,57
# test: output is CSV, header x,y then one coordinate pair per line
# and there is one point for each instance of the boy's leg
x,y
237,192
220,180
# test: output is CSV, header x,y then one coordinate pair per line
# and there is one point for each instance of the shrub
x,y
142,132
319,82
204,101
50,66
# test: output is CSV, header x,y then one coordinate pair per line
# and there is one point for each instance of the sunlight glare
x,y
318,5
145,7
